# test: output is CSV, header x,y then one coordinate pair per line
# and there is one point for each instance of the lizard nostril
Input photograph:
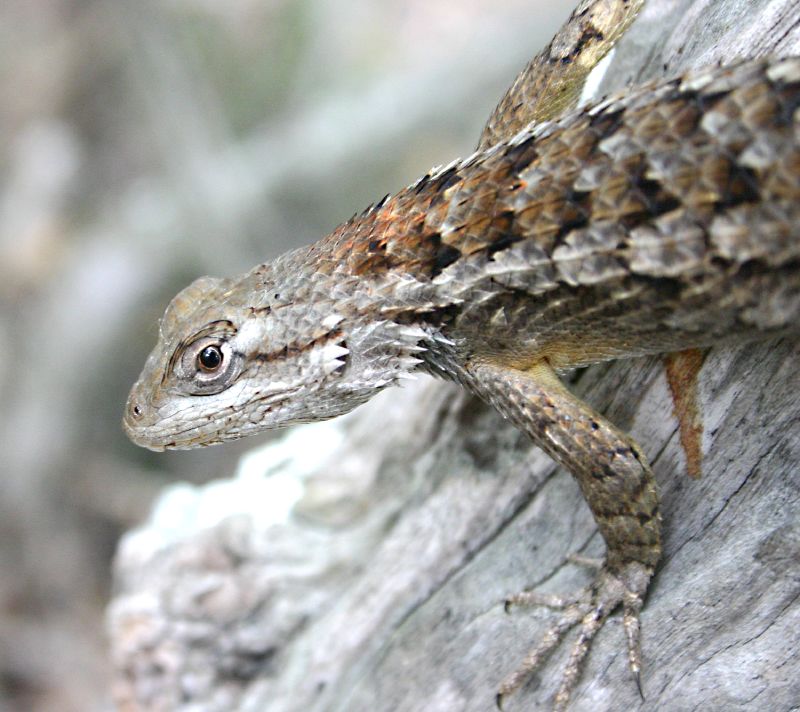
x,y
136,411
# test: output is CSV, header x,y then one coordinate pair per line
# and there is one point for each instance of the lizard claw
x,y
588,611
638,677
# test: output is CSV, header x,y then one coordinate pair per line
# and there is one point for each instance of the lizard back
x,y
652,221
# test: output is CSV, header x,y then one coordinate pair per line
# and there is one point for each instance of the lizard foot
x,y
589,609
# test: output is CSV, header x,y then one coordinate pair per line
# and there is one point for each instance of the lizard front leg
x,y
618,486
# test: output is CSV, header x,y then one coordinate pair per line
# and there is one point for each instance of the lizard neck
x,y
362,331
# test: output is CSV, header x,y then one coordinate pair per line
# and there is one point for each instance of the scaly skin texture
x,y
552,81
663,219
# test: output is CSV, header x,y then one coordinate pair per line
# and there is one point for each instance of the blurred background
x,y
144,143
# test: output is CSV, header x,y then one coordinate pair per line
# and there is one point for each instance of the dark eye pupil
x,y
210,358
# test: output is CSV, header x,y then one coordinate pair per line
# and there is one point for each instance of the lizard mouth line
x,y
152,436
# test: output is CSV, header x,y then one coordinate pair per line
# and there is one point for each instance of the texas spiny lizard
x,y
659,220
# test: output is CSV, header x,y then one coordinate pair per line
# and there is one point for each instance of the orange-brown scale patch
x,y
683,370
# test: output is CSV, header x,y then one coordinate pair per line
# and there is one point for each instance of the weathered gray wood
x,y
383,589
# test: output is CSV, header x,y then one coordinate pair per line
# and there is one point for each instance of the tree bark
x,y
365,564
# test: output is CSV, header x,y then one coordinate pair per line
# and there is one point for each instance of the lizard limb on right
x,y
683,370
619,487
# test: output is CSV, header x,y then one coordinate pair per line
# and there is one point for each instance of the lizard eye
x,y
207,366
210,358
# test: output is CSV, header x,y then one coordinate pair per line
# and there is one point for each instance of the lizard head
x,y
236,357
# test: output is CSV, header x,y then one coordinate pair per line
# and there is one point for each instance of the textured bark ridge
x,y
367,569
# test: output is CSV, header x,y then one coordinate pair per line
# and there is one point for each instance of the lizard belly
x,y
632,316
